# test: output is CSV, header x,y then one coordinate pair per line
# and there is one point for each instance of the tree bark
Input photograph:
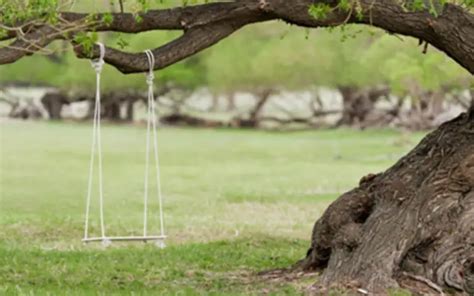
x,y
415,218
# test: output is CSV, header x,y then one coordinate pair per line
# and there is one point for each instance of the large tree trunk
x,y
415,219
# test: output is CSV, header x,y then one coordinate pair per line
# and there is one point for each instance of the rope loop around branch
x,y
151,64
98,64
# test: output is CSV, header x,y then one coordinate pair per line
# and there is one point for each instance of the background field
x,y
236,202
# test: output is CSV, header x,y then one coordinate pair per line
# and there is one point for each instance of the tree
x,y
414,221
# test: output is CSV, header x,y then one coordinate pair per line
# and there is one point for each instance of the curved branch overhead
x,y
200,32
452,31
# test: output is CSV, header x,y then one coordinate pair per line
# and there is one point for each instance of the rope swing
x,y
151,135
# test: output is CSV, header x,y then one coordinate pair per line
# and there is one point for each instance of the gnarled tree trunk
x,y
415,219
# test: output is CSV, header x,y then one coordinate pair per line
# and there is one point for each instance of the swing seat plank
x,y
125,238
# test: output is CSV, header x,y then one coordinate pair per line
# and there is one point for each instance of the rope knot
x,y
151,63
149,79
98,65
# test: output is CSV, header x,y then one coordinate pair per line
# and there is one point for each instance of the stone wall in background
x,y
310,108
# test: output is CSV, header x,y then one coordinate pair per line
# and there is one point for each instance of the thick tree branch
x,y
451,32
179,18
195,39
27,44
204,25
187,45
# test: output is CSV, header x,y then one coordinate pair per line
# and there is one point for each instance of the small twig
x,y
425,48
121,6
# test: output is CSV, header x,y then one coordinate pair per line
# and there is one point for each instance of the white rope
x,y
152,123
149,80
97,65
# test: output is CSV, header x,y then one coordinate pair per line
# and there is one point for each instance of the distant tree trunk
x,y
426,106
113,111
90,109
214,102
53,103
112,106
349,114
231,101
263,97
113,102
253,118
130,110
415,220
359,103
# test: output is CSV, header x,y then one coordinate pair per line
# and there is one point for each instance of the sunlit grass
x,y
250,192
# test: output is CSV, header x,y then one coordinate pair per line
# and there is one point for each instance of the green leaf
x,y
122,43
86,41
108,18
344,5
319,10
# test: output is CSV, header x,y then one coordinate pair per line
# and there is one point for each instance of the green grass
x,y
236,202
216,267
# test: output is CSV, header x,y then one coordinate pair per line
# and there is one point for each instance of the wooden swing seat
x,y
125,238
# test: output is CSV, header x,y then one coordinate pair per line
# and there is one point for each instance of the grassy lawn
x,y
236,202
